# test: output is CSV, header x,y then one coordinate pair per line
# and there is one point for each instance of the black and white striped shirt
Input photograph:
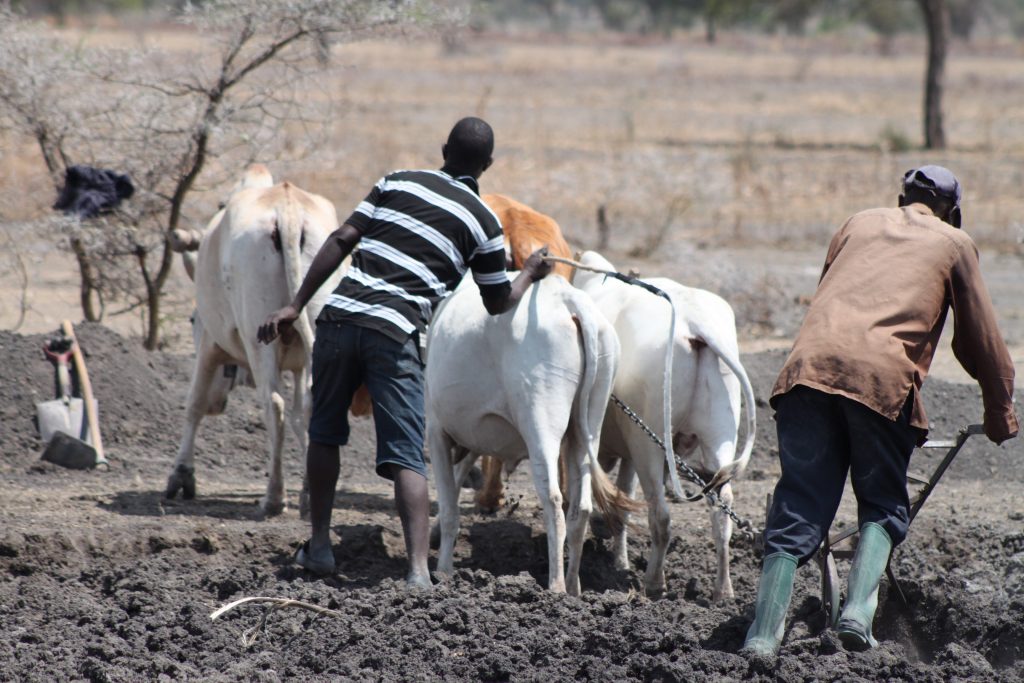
x,y
420,230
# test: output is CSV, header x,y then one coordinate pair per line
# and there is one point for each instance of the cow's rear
x,y
528,383
251,264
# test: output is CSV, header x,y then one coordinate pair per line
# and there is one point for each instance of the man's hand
x,y
536,267
999,430
278,323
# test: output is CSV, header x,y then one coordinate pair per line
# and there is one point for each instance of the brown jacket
x,y
873,325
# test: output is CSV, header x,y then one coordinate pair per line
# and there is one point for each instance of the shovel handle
x,y
87,397
64,380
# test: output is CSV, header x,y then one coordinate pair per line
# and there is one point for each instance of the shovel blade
x,y
57,416
67,451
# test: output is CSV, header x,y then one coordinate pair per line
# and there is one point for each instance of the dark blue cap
x,y
937,179
940,181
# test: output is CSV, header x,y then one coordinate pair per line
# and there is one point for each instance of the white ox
x,y
187,241
250,264
707,379
528,383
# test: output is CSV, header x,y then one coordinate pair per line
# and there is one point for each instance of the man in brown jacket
x,y
848,398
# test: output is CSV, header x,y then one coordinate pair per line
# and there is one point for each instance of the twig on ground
x,y
249,636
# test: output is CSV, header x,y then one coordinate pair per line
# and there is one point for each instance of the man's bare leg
x,y
322,465
413,503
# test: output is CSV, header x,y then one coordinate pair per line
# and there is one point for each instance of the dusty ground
x,y
101,579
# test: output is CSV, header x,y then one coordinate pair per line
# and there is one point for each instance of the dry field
x,y
746,155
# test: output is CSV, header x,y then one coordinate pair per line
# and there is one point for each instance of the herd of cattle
x,y
532,384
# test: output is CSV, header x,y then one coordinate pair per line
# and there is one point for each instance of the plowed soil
x,y
101,579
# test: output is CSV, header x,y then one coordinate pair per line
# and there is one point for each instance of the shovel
x,y
65,413
71,441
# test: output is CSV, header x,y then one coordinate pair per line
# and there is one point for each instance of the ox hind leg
x,y
581,505
492,494
441,447
626,482
302,407
649,462
721,529
716,418
268,389
463,467
209,358
544,468
715,456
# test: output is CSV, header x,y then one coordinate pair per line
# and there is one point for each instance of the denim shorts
x,y
347,355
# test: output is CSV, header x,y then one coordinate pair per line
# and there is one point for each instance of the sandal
x,y
307,562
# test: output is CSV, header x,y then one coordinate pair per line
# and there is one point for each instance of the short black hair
x,y
938,203
470,144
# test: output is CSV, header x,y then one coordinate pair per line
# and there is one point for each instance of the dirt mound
x,y
129,383
141,397
102,579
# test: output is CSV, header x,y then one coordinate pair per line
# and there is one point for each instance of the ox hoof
x,y
491,506
418,582
182,479
722,596
655,593
271,508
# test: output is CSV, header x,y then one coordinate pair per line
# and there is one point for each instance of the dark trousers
x,y
822,437
345,356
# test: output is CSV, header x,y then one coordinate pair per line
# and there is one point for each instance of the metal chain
x,y
743,526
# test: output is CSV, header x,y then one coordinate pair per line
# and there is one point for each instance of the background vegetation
x,y
794,116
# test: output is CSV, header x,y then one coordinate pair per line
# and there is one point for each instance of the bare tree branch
x,y
163,117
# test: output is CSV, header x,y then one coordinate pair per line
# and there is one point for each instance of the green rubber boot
x,y
773,595
870,560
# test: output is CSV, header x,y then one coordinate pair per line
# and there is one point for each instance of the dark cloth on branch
x,y
89,191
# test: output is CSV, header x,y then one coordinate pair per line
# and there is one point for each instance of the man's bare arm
x,y
535,268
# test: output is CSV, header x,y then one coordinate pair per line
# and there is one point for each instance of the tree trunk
x,y
936,17
603,232
154,293
87,281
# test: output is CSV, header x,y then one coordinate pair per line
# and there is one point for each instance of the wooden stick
x,y
278,603
87,397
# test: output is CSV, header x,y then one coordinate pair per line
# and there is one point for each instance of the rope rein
x,y
665,442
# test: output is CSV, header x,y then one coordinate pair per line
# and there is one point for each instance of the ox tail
x,y
666,401
730,355
289,223
600,361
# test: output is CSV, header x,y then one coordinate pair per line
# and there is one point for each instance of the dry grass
x,y
771,143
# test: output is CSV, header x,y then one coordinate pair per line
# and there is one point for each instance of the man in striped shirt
x,y
418,232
